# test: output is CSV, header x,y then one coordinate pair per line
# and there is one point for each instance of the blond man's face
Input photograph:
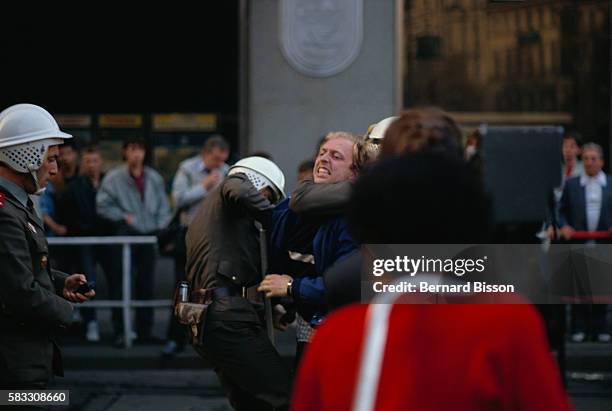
x,y
334,161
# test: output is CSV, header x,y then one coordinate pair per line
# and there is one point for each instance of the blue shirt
x,y
304,249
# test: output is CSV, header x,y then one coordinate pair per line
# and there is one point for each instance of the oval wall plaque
x,y
320,38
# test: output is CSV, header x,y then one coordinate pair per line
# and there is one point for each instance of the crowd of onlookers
x,y
128,200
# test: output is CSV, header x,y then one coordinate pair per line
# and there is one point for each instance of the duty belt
x,y
221,292
208,295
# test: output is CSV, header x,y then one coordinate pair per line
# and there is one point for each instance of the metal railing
x,y
126,303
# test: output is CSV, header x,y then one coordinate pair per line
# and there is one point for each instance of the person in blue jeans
x,y
78,210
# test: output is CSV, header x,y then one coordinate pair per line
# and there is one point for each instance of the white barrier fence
x,y
126,303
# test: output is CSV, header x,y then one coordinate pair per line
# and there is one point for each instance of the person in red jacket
x,y
464,356
436,357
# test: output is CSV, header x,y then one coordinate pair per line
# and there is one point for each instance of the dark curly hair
x,y
421,128
429,197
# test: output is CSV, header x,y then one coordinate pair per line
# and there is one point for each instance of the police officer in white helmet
x,y
34,298
223,261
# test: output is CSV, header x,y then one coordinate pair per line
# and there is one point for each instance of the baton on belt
x,y
263,248
590,235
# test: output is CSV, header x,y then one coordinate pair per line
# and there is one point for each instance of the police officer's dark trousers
x,y
250,369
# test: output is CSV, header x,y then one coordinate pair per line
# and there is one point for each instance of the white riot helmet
x,y
377,131
262,173
370,149
26,133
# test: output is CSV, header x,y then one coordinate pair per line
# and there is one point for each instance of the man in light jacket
x,y
133,197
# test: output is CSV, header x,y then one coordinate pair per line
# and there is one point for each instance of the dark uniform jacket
x,y
31,308
223,245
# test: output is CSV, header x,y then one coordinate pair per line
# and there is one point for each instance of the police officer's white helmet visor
x,y
262,173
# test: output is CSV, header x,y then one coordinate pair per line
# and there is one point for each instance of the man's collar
x,y
600,178
201,165
16,191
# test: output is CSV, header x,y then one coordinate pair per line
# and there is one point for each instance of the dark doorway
x,y
176,61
